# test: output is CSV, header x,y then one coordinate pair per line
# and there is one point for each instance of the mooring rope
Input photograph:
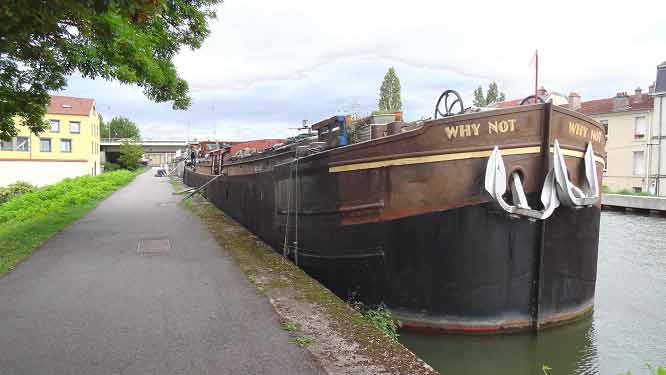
x,y
285,249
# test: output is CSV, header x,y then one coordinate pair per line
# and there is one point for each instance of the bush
x,y
15,189
28,219
381,318
130,156
110,167
68,192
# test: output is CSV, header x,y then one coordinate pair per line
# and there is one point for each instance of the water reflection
x,y
627,330
568,349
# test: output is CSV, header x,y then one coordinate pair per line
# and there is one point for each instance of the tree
x,y
42,42
130,155
493,96
389,93
121,127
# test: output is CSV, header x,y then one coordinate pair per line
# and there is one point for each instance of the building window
x,y
16,144
605,162
640,127
74,127
22,144
65,145
54,125
6,146
638,189
639,163
604,123
45,145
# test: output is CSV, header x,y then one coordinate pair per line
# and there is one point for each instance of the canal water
x,y
626,332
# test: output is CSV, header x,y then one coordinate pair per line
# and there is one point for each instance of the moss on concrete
x,y
354,344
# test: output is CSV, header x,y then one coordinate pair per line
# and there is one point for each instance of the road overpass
x,y
156,151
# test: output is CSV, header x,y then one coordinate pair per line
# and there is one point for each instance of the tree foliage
x,y
493,96
119,127
130,156
42,42
389,93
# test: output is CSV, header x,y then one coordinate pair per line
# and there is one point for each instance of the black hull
x,y
472,268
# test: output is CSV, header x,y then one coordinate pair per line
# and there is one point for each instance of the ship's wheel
x,y
530,100
454,98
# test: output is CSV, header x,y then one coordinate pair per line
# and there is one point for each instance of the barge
x,y
482,221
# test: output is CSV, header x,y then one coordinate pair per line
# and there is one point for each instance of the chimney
x,y
574,101
661,79
620,101
638,95
542,92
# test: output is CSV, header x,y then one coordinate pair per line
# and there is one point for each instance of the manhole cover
x,y
154,246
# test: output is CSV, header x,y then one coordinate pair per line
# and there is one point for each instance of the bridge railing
x,y
117,141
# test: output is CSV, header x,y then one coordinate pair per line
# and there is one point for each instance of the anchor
x,y
569,194
495,184
557,188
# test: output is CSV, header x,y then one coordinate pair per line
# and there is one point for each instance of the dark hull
x,y
407,219
471,268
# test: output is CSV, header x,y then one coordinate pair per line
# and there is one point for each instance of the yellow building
x,y
627,119
69,147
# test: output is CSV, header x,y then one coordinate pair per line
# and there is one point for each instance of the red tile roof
x,y
596,106
507,104
259,145
68,105
591,107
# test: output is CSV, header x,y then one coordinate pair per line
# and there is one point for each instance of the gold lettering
x,y
476,128
492,127
572,127
512,124
501,126
581,131
465,130
451,131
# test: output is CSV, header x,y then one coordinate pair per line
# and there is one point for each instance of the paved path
x,y
88,303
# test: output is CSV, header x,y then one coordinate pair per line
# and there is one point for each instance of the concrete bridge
x,y
156,151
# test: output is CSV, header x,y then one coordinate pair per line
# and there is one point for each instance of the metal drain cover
x,y
154,246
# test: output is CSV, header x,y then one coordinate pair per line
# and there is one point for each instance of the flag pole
x,y
536,76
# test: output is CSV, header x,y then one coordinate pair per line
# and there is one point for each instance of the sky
x,y
267,65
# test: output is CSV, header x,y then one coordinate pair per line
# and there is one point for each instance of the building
x,y
257,145
69,147
658,131
627,120
635,128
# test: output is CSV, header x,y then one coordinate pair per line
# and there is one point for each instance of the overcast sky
x,y
269,64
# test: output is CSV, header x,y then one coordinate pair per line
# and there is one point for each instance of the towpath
x,y
139,286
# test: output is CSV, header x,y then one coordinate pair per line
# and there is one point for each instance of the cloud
x,y
268,65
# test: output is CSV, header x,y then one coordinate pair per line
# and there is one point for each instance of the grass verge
x,y
26,221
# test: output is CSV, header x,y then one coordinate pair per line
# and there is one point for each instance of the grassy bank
x,y
607,190
29,219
